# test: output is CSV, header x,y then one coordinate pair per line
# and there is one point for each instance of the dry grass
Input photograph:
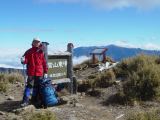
x,y
141,76
98,80
40,115
6,79
143,115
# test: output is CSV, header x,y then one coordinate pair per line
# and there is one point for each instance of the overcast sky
x,y
130,23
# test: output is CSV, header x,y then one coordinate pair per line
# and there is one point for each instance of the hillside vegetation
x,y
141,77
128,91
134,81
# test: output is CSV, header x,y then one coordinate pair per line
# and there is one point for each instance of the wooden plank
x,y
63,80
58,57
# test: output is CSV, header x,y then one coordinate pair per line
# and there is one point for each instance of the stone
x,y
65,98
2,113
29,108
120,116
78,105
10,98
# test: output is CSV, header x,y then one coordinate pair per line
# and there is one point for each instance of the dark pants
x,y
32,89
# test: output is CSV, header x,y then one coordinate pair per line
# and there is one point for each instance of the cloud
x,y
112,4
151,46
12,61
10,57
119,4
124,43
10,66
147,46
79,60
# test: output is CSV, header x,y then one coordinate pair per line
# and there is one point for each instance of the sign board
x,y
60,67
57,68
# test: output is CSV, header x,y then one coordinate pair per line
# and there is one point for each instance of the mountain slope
x,y
115,52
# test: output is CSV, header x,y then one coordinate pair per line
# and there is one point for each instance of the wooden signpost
x,y
60,67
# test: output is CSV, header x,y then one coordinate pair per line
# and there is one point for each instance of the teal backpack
x,y
48,93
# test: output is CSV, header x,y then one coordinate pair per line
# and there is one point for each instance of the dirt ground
x,y
78,107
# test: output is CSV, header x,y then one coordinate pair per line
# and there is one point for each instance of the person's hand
x,y
45,75
22,60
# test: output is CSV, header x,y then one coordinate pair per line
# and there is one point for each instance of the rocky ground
x,y
78,107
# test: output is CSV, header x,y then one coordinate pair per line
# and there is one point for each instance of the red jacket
x,y
36,63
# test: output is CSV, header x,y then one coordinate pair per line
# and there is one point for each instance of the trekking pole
x,y
24,74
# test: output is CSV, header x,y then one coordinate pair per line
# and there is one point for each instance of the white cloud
x,y
118,4
112,4
124,43
78,60
147,46
11,57
10,51
151,46
9,66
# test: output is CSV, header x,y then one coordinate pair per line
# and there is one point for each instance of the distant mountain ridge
x,y
10,70
117,53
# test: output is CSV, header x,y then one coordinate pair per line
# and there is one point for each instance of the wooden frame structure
x,y
99,52
66,65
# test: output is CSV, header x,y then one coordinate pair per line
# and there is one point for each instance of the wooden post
x,y
94,58
104,57
45,50
74,85
70,66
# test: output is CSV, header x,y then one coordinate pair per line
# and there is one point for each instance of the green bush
x,y
142,77
150,115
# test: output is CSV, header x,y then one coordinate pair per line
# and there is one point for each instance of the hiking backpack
x,y
48,93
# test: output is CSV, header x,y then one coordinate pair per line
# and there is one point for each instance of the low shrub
x,y
44,115
3,83
83,85
15,77
100,80
106,79
118,98
6,79
150,115
141,76
3,87
92,76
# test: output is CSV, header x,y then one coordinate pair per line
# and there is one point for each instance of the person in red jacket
x,y
36,70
